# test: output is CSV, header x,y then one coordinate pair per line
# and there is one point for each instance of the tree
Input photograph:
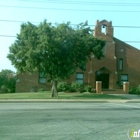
x,y
56,50
7,81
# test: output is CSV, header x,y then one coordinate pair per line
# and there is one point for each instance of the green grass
x,y
47,95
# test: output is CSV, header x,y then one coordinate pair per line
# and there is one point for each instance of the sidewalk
x,y
129,96
69,100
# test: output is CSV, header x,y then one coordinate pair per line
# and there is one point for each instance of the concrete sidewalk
x,y
129,96
70,100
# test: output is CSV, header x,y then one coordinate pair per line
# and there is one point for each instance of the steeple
x,y
103,28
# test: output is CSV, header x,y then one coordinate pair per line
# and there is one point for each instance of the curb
x,y
68,101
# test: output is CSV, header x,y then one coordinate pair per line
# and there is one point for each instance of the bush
x,y
4,89
62,86
135,90
88,88
40,89
93,90
7,81
76,87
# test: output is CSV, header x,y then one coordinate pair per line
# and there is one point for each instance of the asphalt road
x,y
68,121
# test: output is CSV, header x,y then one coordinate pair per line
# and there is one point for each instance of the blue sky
x,y
122,14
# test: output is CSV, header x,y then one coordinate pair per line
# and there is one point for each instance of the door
x,y
105,80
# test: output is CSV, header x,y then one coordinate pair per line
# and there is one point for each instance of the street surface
x,y
68,121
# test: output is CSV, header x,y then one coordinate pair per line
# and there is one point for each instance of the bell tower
x,y
103,29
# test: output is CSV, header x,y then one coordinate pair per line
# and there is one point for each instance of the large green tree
x,y
58,50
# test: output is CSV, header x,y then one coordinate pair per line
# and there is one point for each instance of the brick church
x,y
121,63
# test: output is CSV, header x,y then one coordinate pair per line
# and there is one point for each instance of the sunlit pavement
x,y
68,121
129,96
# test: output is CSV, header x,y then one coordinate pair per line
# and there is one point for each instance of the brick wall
x,y
131,59
29,83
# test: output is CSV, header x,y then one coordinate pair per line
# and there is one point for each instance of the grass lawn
x,y
47,95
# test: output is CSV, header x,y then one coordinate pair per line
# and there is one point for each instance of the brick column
x,y
126,87
98,86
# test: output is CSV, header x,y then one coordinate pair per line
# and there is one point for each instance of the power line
x,y
16,21
63,9
7,36
86,3
107,41
1,20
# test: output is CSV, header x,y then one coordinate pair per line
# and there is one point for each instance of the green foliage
x,y
135,90
62,95
7,81
40,89
88,88
58,50
4,89
76,87
62,86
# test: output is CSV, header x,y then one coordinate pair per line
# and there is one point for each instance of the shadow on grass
x,y
89,96
61,95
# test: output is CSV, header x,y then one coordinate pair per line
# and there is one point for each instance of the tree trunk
x,y
54,89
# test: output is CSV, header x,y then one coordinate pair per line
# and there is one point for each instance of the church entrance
x,y
103,75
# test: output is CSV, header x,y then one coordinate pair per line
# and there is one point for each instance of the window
x,y
124,78
104,49
121,64
42,77
80,78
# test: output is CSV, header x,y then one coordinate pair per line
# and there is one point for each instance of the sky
x,y
123,14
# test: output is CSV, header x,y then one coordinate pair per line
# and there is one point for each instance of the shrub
x,y
4,89
93,90
7,81
88,88
75,86
40,89
62,86
135,90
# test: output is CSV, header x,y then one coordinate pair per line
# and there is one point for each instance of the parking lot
x,y
68,120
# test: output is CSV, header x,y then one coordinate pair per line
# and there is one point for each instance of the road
x,y
68,121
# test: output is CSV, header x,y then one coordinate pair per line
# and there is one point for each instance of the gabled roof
x,y
116,40
103,21
104,70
